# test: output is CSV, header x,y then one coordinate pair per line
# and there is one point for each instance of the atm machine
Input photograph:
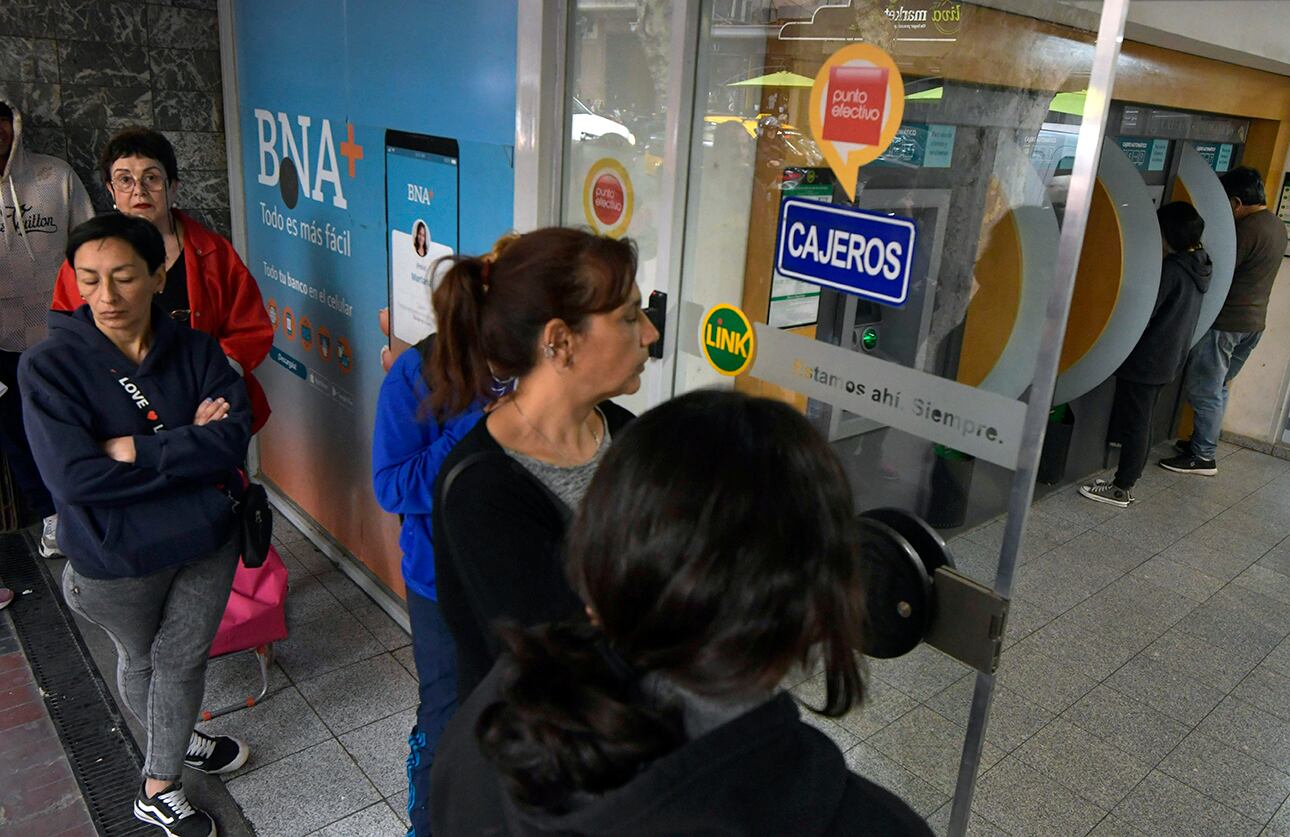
x,y
1156,141
895,334
933,178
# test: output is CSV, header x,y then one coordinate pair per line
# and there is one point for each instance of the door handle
x,y
657,313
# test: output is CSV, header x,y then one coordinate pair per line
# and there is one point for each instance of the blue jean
x,y
435,654
1213,363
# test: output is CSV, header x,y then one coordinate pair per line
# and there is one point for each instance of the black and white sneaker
x,y
1189,464
215,753
48,546
1107,492
171,811
1183,446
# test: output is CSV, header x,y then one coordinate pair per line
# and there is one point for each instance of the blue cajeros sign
x,y
850,250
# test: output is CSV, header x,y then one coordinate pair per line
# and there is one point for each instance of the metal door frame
x,y
542,134
1088,152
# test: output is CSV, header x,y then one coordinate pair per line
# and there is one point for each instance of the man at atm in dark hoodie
x,y
1160,352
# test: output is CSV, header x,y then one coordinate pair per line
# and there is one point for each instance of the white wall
x,y
1252,33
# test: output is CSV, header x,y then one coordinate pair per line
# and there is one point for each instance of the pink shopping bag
x,y
256,613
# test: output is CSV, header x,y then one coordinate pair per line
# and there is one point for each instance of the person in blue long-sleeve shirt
x,y
408,448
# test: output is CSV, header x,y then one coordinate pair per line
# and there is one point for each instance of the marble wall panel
x,y
216,219
113,108
28,59
187,111
79,70
99,194
46,139
198,188
103,21
121,65
176,28
32,18
185,69
39,102
84,142
198,150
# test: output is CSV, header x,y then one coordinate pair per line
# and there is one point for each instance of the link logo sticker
x,y
727,340
607,198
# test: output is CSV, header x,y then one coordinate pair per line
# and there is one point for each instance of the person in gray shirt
x,y
1220,354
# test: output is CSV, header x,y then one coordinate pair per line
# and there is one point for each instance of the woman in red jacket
x,y
207,285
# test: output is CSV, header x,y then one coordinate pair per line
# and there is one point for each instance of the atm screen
x,y
1153,158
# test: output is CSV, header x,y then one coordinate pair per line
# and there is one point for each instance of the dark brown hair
x,y
491,309
1245,184
716,545
1181,226
142,237
139,142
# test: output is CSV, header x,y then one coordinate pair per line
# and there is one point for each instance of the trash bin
x,y
1057,444
951,480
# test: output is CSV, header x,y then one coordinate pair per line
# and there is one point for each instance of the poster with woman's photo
x,y
421,189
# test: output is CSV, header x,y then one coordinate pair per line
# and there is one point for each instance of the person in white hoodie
x,y
41,200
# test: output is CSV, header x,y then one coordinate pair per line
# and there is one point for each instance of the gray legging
x,y
162,625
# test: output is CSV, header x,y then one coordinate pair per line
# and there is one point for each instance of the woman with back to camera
x,y
558,310
663,715
207,285
139,426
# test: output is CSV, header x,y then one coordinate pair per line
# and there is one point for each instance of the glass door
x,y
873,211
895,286
618,177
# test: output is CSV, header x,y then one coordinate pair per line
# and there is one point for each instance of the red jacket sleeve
x,y
246,335
232,309
66,295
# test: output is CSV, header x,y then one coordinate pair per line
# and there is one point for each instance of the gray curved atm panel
x,y
1205,190
1038,235
1139,280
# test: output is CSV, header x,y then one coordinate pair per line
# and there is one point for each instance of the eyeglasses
x,y
151,182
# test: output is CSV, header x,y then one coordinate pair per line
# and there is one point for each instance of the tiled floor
x,y
1145,689
329,742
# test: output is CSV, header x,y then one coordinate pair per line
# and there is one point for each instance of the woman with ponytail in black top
x,y
556,312
714,552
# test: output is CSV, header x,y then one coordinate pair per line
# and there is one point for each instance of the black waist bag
x,y
255,524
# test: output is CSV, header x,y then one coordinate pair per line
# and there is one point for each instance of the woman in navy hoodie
x,y
138,426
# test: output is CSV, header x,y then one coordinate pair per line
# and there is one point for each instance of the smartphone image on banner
x,y
422,185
